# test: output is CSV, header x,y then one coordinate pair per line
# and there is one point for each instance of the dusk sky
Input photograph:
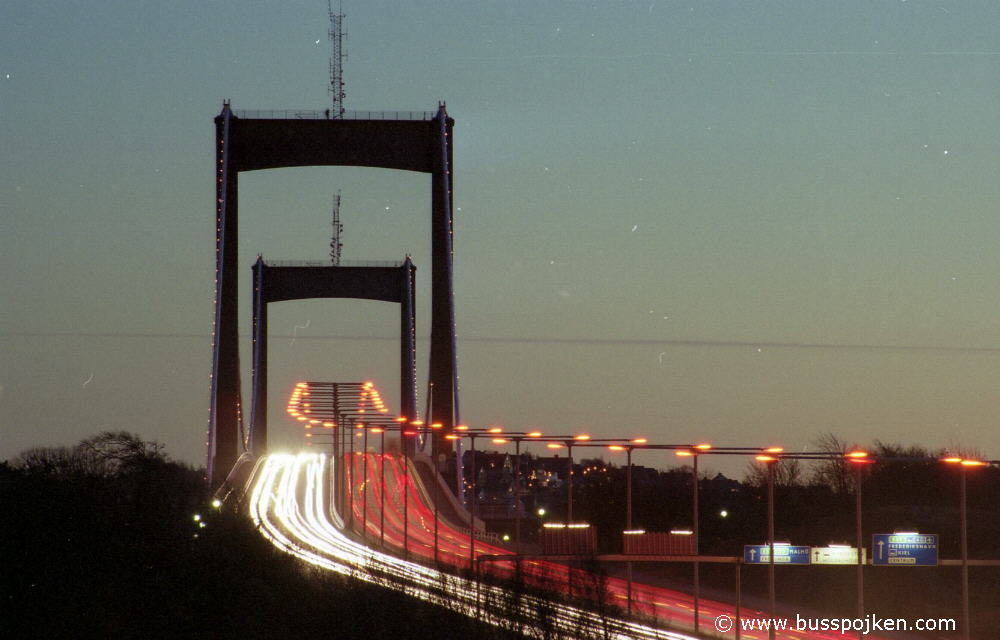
x,y
736,222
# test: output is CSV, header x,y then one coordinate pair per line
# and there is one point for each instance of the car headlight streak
x,y
288,505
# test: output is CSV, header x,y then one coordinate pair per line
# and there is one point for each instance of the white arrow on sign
x,y
880,544
753,553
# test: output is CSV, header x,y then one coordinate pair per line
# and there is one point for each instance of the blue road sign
x,y
783,554
905,549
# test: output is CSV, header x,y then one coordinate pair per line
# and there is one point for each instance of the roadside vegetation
x,y
99,540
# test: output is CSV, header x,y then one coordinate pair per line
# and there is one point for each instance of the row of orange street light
x,y
369,398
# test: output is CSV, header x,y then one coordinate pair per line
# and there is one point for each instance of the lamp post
x,y
516,437
436,489
364,482
965,555
405,459
697,544
569,481
475,500
693,453
694,529
463,431
414,428
964,464
859,459
858,541
569,475
517,496
770,461
381,480
770,543
628,516
349,485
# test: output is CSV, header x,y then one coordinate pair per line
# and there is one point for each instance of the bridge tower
x,y
283,281
252,141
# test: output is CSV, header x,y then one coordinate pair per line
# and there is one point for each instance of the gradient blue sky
x,y
726,205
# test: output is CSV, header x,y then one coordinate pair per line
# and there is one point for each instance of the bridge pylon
x,y
250,141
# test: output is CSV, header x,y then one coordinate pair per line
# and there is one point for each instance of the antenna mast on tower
x,y
336,246
337,57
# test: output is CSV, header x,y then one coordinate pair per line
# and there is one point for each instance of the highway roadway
x,y
290,503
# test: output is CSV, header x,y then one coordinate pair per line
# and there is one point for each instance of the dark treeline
x,y
99,541
908,489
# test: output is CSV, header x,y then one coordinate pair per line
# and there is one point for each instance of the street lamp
x,y
770,460
693,454
628,512
697,544
437,488
497,435
460,432
405,447
517,491
381,480
364,483
517,481
859,459
964,464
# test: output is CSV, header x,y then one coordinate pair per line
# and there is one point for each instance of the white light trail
x,y
294,516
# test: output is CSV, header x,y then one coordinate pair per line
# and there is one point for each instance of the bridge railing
x,y
327,114
327,263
